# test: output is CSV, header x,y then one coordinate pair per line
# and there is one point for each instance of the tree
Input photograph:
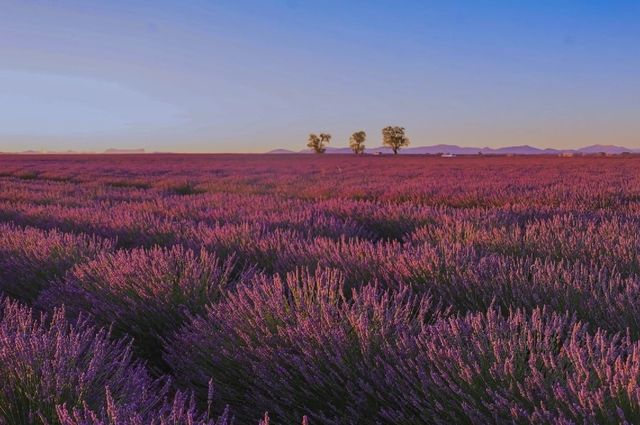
x,y
394,138
317,143
356,142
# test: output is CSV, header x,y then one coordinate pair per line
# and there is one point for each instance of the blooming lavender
x,y
54,371
32,259
143,293
540,367
319,289
300,340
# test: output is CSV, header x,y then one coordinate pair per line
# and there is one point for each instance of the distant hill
x,y
43,152
123,151
31,152
610,149
281,151
463,150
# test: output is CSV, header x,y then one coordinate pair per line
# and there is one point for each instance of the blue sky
x,y
249,76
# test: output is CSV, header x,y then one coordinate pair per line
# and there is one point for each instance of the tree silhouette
x,y
394,138
356,142
317,143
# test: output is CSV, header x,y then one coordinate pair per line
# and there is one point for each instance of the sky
x,y
255,75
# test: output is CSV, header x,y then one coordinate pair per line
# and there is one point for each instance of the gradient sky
x,y
249,76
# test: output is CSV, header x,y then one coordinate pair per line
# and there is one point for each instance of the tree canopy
x,y
318,143
395,138
356,142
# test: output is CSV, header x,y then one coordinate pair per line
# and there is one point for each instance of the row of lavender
x,y
514,299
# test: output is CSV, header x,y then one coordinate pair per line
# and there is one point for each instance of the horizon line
x,y
143,151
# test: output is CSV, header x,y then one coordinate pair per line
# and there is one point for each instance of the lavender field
x,y
319,289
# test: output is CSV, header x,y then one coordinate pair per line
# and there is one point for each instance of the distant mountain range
x,y
462,150
123,151
110,151
414,150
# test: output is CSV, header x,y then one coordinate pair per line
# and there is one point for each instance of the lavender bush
x,y
31,259
143,293
54,371
525,368
299,346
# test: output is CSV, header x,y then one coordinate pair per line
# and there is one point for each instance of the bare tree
x,y
356,142
317,143
394,138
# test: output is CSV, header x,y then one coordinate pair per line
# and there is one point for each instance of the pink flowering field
x,y
319,289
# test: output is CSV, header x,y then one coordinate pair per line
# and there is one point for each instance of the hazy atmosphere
x,y
250,76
